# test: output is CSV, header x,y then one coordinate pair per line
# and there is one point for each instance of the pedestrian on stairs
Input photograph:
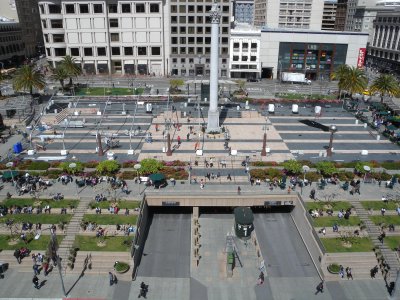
x,y
348,273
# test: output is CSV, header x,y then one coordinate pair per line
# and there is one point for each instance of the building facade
x,y
115,37
341,13
11,43
353,23
29,20
243,11
245,53
314,53
306,14
190,37
384,50
329,15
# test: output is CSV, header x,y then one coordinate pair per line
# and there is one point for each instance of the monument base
x,y
213,122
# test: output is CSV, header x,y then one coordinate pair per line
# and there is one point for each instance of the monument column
x,y
213,113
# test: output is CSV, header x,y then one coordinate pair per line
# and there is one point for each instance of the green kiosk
x,y
244,219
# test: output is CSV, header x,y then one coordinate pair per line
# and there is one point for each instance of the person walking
x,y
348,273
320,287
260,278
17,255
111,277
35,269
239,190
143,290
35,281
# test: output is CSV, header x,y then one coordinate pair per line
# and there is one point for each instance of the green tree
x,y
175,84
340,75
71,67
60,74
385,84
107,167
65,166
27,78
356,81
326,168
359,167
292,166
150,166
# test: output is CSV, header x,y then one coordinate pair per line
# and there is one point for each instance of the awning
x,y
377,105
10,174
157,177
383,113
391,127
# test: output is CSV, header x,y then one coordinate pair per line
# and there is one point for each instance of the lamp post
x,y
305,169
73,167
137,167
332,130
264,146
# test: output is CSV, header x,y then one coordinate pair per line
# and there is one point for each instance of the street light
x,y
137,167
264,146
73,167
305,170
332,130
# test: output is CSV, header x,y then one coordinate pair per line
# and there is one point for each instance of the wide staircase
x,y
360,263
374,231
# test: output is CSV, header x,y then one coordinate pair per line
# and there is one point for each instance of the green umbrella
x,y
391,127
10,174
383,113
157,177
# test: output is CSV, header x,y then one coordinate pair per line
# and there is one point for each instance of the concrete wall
x,y
308,234
142,231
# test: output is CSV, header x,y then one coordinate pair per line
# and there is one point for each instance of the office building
x,y
11,43
190,37
29,20
109,37
384,50
329,15
305,14
353,22
243,11
341,13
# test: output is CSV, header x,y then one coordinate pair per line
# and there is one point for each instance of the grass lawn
x,y
377,205
29,201
40,244
392,241
89,243
359,245
395,220
122,204
329,221
41,218
336,205
99,91
108,219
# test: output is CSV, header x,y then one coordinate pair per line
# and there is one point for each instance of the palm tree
x,y
385,84
60,74
27,78
71,67
340,75
356,81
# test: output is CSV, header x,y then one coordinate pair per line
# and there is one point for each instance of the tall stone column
x,y
213,112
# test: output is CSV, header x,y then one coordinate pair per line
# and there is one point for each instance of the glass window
x,y
183,60
60,51
44,24
88,51
112,8
128,50
101,51
182,50
113,23
155,50
140,8
174,40
174,19
154,7
98,8
114,37
69,8
54,9
84,8
115,51
56,23
58,38
126,8
74,51
142,51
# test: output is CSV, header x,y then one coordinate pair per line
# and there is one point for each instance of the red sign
x,y
361,57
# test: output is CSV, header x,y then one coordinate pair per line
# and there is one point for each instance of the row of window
x,y
195,20
4,28
10,38
245,46
11,48
245,58
196,50
199,30
192,40
190,60
102,51
190,8
54,24
192,72
85,8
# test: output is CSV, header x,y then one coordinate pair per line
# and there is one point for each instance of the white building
x,y
116,37
306,14
314,53
244,61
